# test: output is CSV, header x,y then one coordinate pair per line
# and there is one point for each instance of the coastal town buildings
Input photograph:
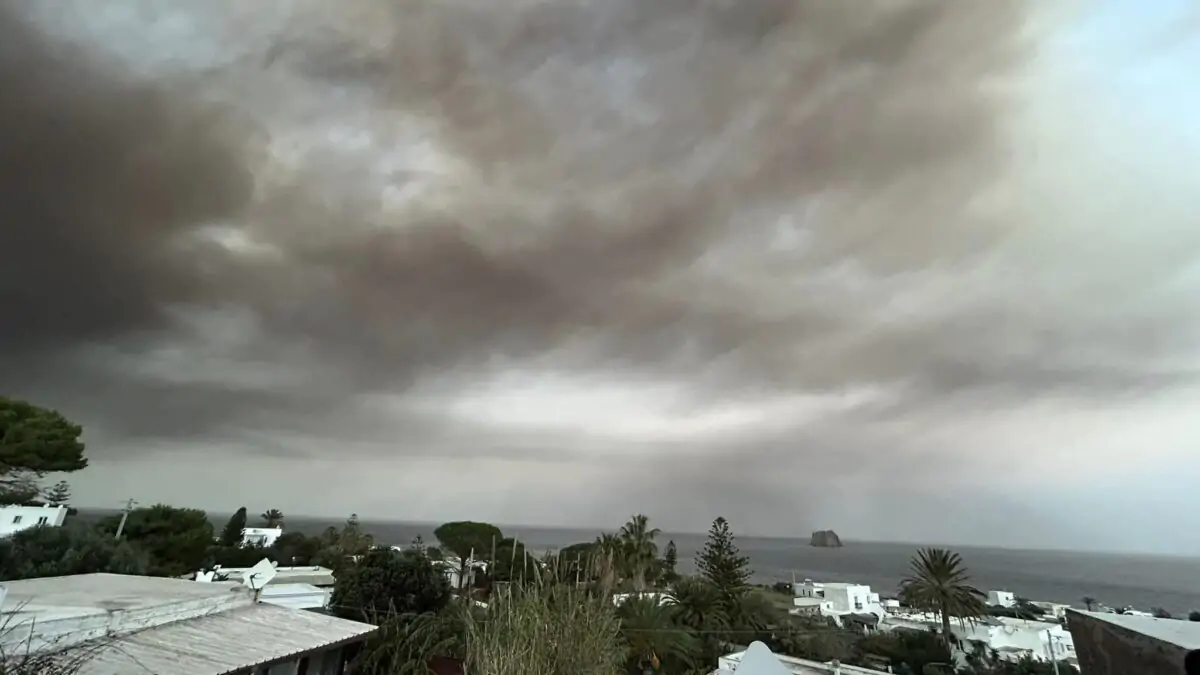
x,y
1121,644
13,519
111,624
856,605
1010,638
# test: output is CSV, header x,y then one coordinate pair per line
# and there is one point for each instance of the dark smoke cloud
x,y
98,175
265,223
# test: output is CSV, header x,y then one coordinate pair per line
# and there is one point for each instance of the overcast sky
x,y
913,270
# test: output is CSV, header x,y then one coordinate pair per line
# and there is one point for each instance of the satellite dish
x,y
260,575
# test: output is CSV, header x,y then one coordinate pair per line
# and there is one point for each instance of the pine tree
x,y
232,534
721,563
59,495
669,560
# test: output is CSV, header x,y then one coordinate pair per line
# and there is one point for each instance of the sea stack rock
x,y
825,539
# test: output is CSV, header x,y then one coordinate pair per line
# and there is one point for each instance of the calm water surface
x,y
1172,583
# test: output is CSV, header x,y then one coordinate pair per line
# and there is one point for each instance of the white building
x,y
835,600
1001,599
13,519
261,536
758,659
450,567
120,625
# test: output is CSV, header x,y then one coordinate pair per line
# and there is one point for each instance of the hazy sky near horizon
x,y
913,270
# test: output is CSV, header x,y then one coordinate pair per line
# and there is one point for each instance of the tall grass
x,y
545,629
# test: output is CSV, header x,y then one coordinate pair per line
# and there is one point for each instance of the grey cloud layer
x,y
769,197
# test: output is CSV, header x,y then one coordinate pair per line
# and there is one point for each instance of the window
x,y
43,520
16,519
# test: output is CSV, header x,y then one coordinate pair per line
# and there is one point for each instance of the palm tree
x,y
607,557
641,553
697,604
938,583
653,636
754,611
272,517
1089,602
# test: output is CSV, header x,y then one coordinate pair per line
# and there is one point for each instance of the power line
x,y
691,631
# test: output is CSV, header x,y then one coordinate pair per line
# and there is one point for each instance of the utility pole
x,y
125,516
1050,646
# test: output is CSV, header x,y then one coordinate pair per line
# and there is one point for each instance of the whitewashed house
x,y
13,519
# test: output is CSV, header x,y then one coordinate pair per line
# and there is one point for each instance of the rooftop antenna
x,y
259,576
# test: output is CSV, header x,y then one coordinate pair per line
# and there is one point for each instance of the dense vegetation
x,y
616,604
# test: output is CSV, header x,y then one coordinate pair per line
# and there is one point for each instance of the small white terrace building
x,y
120,625
13,519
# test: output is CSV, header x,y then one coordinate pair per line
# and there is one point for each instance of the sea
x,y
1115,579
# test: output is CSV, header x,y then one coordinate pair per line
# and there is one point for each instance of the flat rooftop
x,y
87,594
1185,634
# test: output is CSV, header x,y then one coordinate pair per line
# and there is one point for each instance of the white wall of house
x,y
13,519
261,536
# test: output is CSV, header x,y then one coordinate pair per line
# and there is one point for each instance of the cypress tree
x,y
232,534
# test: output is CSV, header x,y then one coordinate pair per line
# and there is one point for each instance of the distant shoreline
x,y
219,518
